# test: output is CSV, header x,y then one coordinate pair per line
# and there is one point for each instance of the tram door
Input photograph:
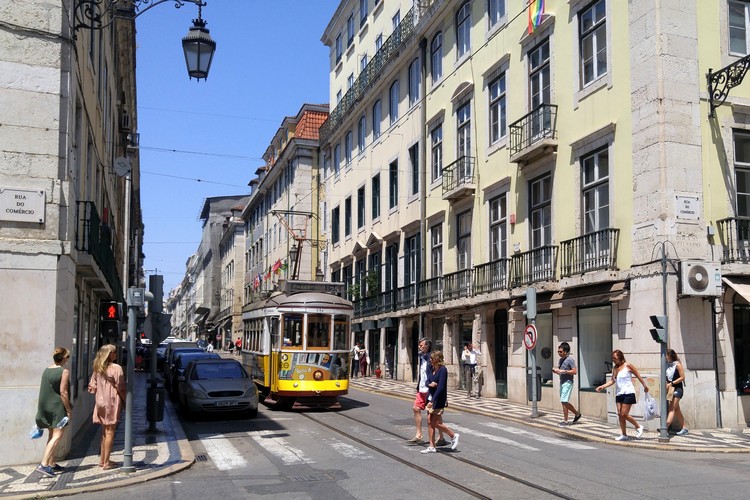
x,y
501,353
273,354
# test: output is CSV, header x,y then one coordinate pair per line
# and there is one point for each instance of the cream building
x,y
468,157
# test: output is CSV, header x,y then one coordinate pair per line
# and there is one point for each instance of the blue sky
x,y
269,61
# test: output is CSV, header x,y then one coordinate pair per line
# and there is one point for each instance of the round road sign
x,y
529,337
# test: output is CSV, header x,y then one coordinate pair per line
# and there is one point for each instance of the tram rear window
x,y
318,331
340,332
293,330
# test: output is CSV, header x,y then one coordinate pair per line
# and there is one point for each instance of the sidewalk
x,y
158,454
597,430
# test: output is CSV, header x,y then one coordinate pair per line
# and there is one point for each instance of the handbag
x,y
670,392
649,407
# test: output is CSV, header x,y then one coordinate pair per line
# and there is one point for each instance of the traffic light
x,y
156,287
659,331
110,311
109,329
530,303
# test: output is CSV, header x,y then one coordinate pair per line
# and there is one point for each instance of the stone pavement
x,y
713,440
157,454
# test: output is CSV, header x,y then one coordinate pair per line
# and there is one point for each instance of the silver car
x,y
217,386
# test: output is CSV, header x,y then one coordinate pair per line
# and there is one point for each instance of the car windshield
x,y
208,371
183,359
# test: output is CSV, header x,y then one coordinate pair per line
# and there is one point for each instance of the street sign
x,y
529,337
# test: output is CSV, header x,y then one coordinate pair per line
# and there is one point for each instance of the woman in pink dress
x,y
108,383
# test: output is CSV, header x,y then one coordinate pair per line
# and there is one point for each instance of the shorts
x,y
435,411
565,389
626,399
420,401
678,392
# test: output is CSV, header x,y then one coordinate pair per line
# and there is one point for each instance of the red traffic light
x,y
110,311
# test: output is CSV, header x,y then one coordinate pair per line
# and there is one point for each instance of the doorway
x,y
501,353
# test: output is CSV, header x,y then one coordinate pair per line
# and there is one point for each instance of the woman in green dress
x,y
54,405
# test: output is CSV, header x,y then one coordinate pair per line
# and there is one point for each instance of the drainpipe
x,y
423,173
716,363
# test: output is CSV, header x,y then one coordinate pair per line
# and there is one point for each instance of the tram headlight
x,y
318,375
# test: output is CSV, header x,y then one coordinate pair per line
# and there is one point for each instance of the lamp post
x,y
197,45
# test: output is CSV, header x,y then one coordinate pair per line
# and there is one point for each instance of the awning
x,y
356,327
388,323
369,325
740,285
589,296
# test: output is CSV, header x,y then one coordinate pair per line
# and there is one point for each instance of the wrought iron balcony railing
x,y
96,239
539,124
374,69
734,233
457,285
458,173
492,276
533,266
430,291
589,252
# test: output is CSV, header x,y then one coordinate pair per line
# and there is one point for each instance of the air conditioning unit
x,y
700,278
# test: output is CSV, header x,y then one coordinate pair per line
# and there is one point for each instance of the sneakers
x,y
429,449
454,441
564,423
441,442
681,432
639,432
45,470
415,440
621,437
577,418
57,468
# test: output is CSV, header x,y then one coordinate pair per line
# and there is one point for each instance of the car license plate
x,y
226,403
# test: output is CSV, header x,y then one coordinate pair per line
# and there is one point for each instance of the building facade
x,y
71,227
473,152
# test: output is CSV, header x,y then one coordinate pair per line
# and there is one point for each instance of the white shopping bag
x,y
650,408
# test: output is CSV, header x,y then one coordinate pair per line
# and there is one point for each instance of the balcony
x,y
95,239
533,266
590,252
430,291
373,71
457,285
734,234
534,135
491,277
458,179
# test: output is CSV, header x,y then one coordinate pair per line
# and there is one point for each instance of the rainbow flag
x,y
536,9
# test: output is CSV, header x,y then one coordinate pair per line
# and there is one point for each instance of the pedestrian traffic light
x,y
109,329
110,311
530,303
659,331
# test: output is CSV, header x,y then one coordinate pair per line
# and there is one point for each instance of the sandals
x,y
109,465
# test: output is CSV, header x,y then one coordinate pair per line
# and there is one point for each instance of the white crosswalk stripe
x,y
350,451
492,437
537,437
279,447
224,455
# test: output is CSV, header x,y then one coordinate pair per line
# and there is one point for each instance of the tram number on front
x,y
285,365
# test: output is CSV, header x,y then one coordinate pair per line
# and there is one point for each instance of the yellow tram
x,y
297,347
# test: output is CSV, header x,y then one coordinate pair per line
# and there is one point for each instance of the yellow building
x,y
474,150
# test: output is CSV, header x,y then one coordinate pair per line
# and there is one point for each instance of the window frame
x,y
415,69
496,10
498,129
463,29
436,57
436,250
436,152
463,235
593,33
393,184
361,216
377,118
745,27
393,99
335,224
375,196
498,220
348,216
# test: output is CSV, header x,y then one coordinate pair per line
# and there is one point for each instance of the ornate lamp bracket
x,y
722,81
99,14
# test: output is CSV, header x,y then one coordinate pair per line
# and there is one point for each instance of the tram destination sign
x,y
22,205
314,286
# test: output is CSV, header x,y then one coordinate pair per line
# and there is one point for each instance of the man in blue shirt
x,y
566,369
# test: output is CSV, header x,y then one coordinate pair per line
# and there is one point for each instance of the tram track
x,y
428,472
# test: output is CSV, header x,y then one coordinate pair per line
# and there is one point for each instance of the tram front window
x,y
293,330
340,333
318,331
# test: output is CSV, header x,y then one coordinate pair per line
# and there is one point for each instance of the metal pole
x,y
663,434
127,462
534,389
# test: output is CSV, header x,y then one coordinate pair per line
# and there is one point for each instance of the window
x,y
463,27
373,272
348,147
594,344
350,29
742,174
593,33
391,267
362,134
497,109
498,228
378,43
350,81
495,11
335,214
414,74
376,119
436,137
376,196
436,51
463,240
340,331
336,159
393,102
363,63
436,250
338,97
411,270
361,207
339,48
741,343
348,216
414,161
396,20
541,211
595,184
464,143
739,20
362,12
318,330
539,75
393,184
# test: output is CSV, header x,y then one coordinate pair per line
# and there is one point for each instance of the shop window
x,y
594,345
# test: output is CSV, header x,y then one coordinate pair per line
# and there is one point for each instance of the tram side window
x,y
340,333
293,330
318,331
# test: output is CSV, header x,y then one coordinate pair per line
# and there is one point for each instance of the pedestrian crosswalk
x,y
285,451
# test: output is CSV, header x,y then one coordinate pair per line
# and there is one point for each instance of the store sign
x,y
22,205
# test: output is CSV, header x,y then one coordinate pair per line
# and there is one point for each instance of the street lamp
x,y
198,46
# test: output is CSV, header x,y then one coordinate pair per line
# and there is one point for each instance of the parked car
x,y
202,343
172,353
181,359
217,386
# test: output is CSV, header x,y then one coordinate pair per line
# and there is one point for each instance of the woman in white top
x,y
622,375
